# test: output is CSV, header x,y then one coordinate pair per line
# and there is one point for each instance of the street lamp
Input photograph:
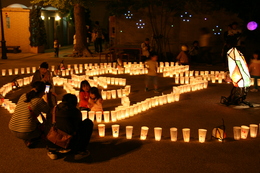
x,y
2,33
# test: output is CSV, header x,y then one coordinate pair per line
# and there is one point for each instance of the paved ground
x,y
200,109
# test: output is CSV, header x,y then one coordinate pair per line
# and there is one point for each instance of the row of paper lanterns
x,y
239,132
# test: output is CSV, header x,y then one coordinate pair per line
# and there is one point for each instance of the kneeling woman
x,y
24,123
69,119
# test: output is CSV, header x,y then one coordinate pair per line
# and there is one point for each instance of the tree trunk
x,y
81,48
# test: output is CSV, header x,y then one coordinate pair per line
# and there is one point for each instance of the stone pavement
x,y
199,109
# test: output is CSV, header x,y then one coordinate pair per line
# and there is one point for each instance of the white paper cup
x,y
99,116
101,130
237,132
115,130
106,116
186,134
202,135
113,116
253,130
91,115
84,115
144,132
173,132
129,132
244,132
157,133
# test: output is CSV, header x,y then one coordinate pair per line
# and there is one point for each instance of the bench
x,y
15,49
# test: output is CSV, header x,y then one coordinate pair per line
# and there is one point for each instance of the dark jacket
x,y
68,119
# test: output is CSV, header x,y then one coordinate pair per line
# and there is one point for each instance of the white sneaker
x,y
63,151
52,156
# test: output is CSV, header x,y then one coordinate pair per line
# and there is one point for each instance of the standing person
x,y
234,35
183,57
74,42
152,66
146,49
194,52
24,123
69,119
84,95
254,69
227,45
205,45
97,37
56,46
95,100
43,74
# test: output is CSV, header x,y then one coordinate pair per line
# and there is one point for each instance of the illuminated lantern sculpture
x,y
239,74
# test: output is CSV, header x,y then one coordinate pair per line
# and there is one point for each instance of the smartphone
x,y
47,89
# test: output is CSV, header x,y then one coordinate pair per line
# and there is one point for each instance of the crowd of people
x,y
25,123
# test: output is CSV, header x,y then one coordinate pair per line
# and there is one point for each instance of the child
x,y
183,57
56,47
95,100
152,66
84,95
254,69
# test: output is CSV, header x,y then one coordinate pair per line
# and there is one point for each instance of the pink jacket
x,y
254,67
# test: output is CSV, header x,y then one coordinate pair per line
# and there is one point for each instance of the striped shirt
x,y
22,120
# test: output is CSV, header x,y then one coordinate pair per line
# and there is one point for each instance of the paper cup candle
x,y
237,132
186,134
115,130
173,132
3,72
202,135
101,130
84,115
144,132
99,116
106,116
91,115
244,132
129,132
157,133
253,130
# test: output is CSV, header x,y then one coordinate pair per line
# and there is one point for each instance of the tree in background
x,y
37,29
81,48
161,15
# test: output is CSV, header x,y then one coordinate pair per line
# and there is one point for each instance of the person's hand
x,y
44,97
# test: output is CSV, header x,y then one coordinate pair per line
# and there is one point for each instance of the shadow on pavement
x,y
102,151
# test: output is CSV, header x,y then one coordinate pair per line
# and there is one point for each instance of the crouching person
x,y
24,123
69,119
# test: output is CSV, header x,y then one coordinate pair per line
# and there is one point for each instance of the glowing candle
x,y
106,116
84,115
253,130
16,71
129,132
115,130
186,134
91,115
173,132
157,133
99,116
244,132
202,135
101,130
144,132
237,132
10,72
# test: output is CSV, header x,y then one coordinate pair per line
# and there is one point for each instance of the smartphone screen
x,y
47,89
